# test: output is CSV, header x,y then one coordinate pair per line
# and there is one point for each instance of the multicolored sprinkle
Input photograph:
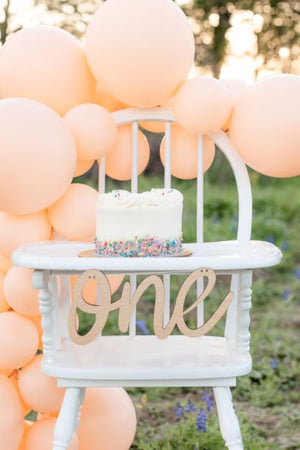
x,y
139,247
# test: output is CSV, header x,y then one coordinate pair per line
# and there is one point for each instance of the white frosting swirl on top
x,y
153,198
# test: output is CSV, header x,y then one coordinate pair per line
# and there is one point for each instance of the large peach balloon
x,y
4,306
37,320
39,391
184,153
11,415
108,420
15,230
93,128
18,341
265,126
140,50
118,161
19,292
47,64
90,289
82,167
40,436
202,105
5,263
74,215
37,156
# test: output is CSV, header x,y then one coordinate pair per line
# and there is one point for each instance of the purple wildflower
x,y
190,407
271,239
216,219
179,410
206,397
298,273
274,363
142,327
285,245
201,421
286,293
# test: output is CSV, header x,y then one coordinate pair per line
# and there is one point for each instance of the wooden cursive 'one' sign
x,y
127,303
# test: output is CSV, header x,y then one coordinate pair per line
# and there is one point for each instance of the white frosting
x,y
122,215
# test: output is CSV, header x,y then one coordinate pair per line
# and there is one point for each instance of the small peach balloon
x,y
39,391
11,415
18,341
40,436
93,128
103,98
19,292
54,72
74,215
118,161
5,263
140,51
15,230
4,306
105,411
37,155
82,167
202,105
265,126
184,153
236,88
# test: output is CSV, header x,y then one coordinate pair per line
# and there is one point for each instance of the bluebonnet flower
x,y
216,219
285,245
286,293
190,407
235,217
274,363
179,410
201,421
206,397
298,273
271,239
142,327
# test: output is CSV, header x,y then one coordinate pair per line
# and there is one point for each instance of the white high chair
x,y
132,361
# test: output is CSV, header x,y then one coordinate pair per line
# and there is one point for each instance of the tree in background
x,y
274,24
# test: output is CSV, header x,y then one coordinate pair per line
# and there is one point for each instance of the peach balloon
x,y
40,436
74,215
37,320
15,230
4,306
184,153
118,161
37,156
90,289
157,127
83,167
27,425
103,98
93,128
202,105
140,51
265,126
18,341
11,415
108,420
39,391
19,292
236,88
54,72
5,263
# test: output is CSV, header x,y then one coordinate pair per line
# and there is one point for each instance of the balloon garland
x,y
55,122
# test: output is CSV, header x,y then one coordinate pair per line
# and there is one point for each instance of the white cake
x,y
145,224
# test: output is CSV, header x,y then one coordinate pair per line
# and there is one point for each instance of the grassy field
x,y
267,401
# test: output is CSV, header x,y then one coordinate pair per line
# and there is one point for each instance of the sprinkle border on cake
x,y
139,247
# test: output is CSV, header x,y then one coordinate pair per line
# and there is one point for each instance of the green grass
x,y
267,401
